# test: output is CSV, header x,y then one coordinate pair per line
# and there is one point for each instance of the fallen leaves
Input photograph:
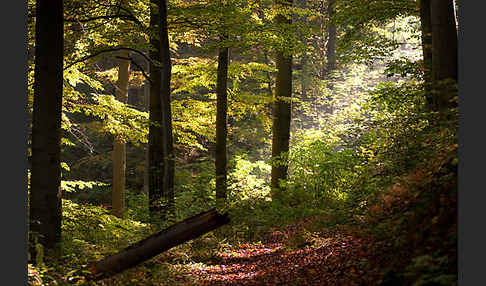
x,y
335,258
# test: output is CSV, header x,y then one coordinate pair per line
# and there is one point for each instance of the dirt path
x,y
337,258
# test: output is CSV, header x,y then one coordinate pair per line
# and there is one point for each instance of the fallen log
x,y
157,243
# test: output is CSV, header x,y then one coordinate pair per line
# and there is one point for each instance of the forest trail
x,y
339,257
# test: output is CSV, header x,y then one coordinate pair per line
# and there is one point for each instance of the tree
x,y
119,148
221,123
303,59
167,139
226,24
161,152
45,191
221,159
426,29
444,52
281,106
146,173
331,41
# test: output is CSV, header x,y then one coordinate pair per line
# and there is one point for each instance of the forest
x,y
233,142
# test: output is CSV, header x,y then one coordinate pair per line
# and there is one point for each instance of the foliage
x,y
369,28
248,180
321,171
426,270
88,233
118,119
366,160
72,186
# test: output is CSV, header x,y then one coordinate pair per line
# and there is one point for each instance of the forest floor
x,y
292,256
407,237
304,253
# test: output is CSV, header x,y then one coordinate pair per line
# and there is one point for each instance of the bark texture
x,y
167,139
157,243
281,110
155,116
303,60
146,95
161,151
119,148
331,39
444,52
221,160
426,27
45,191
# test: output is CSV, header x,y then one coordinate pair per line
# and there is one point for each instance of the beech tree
x,y
119,148
331,38
281,106
45,191
439,50
444,52
161,152
221,123
426,30
221,157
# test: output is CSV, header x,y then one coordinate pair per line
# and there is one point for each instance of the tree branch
x,y
108,51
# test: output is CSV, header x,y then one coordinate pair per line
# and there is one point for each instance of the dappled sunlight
x,y
242,142
330,259
246,251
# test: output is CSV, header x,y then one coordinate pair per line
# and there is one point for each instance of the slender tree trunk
x,y
303,77
167,140
119,148
303,59
331,42
161,151
281,110
221,124
155,115
45,191
426,27
146,95
444,51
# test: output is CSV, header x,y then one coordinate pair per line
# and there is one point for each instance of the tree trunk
x,y
161,151
146,96
444,52
167,140
151,246
45,190
426,27
303,59
119,149
155,116
221,124
281,110
331,42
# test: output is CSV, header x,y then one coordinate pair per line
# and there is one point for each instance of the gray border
x,y
471,199
14,142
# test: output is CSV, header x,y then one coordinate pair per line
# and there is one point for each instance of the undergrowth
x,y
389,172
